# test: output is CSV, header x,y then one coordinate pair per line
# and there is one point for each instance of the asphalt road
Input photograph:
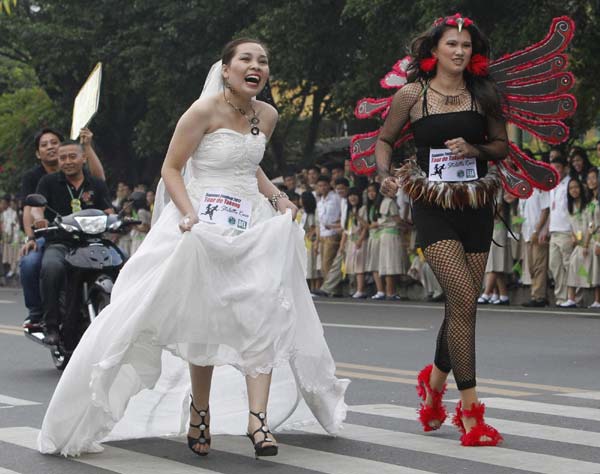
x,y
538,374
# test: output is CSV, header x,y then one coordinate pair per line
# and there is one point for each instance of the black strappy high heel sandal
x,y
202,440
259,448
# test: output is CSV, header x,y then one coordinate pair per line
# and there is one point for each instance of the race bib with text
x,y
219,206
444,166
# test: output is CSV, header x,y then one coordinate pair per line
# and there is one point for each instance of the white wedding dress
x,y
212,296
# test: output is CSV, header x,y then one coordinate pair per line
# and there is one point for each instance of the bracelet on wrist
x,y
275,197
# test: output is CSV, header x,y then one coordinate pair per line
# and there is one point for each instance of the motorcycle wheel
x,y
60,358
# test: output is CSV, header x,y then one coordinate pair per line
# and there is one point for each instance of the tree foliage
x,y
323,57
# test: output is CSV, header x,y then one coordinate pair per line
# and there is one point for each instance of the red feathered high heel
x,y
436,411
481,430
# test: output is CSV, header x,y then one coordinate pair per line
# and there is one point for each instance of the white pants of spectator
x,y
561,246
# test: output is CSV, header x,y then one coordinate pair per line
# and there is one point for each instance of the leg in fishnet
x,y
476,263
458,328
449,263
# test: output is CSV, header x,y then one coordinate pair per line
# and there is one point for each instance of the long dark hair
x,y
586,164
349,214
582,197
483,88
590,192
309,203
373,204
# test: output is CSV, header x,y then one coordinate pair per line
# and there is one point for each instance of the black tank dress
x,y
472,227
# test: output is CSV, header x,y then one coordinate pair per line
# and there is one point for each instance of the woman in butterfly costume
x,y
455,104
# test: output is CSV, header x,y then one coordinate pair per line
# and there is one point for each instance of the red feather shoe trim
x,y
479,431
436,411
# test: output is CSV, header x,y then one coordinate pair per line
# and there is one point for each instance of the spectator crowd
x,y
362,244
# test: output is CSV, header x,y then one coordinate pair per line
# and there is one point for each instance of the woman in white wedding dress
x,y
218,282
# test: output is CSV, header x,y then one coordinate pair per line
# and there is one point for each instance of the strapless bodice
x,y
228,158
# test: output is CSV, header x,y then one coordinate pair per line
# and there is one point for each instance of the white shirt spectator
x,y
559,212
329,210
532,211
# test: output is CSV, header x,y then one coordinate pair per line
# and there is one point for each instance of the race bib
x,y
444,166
219,206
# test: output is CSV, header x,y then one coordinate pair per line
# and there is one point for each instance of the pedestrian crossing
x,y
378,438
506,427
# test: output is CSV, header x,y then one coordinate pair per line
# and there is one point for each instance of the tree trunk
x,y
315,122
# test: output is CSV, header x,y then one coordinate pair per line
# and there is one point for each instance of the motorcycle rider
x,y
46,142
69,190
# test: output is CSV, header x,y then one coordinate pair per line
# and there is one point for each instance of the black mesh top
x,y
434,120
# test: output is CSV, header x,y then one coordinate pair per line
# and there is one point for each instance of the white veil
x,y
212,85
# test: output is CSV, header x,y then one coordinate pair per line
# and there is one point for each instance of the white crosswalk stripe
x,y
507,427
329,463
497,456
113,459
123,461
583,395
569,411
7,471
16,402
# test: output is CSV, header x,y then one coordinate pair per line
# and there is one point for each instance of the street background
x,y
537,374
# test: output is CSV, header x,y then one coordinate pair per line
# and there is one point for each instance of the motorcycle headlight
x,y
92,225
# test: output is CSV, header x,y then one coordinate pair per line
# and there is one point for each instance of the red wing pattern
x,y
534,82
362,145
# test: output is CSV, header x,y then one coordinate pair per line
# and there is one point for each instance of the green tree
x,y
24,107
312,51
155,55
390,25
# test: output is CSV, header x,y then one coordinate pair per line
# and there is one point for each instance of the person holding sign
x,y
216,287
71,189
456,117
47,142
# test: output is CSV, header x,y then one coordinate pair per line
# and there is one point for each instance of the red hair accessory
x,y
427,64
478,65
455,20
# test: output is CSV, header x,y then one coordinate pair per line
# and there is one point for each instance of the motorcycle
x,y
93,264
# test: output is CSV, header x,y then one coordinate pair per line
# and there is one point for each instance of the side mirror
x,y
35,200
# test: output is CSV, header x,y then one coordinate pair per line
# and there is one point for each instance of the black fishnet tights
x,y
460,275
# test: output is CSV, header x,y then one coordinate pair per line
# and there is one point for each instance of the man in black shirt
x,y
47,141
69,190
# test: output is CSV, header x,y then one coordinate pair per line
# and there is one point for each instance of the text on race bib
x,y
444,166
219,206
